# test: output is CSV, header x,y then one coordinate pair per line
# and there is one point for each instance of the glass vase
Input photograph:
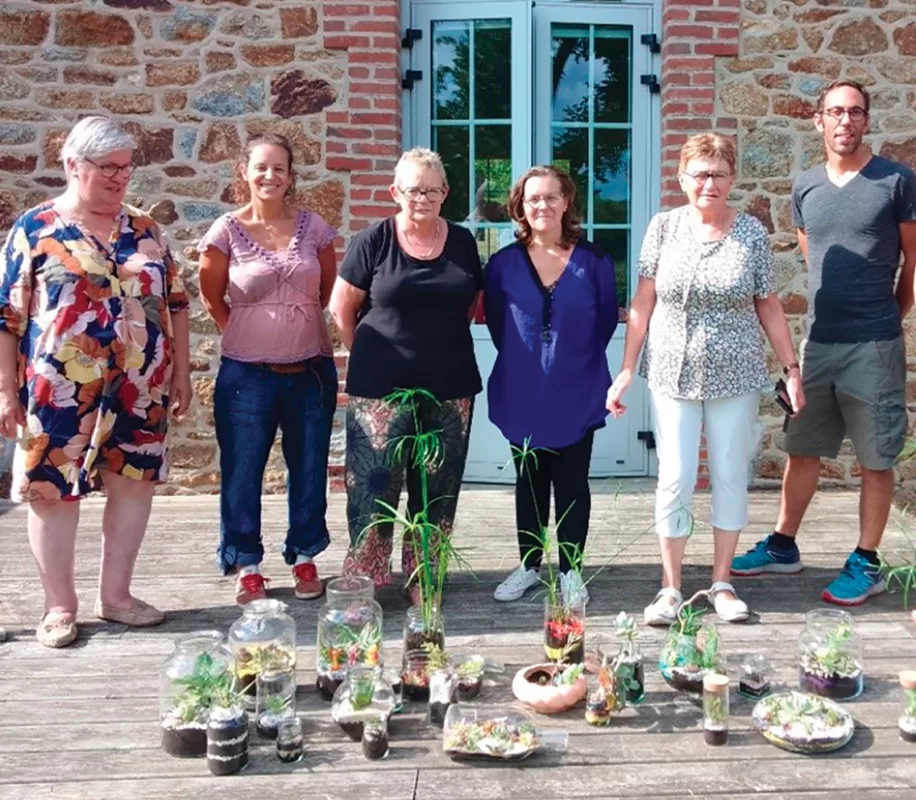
x,y
688,654
415,676
564,632
631,666
423,628
263,639
830,662
375,737
754,677
715,709
276,701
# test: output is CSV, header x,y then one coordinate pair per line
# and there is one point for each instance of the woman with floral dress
x,y
93,352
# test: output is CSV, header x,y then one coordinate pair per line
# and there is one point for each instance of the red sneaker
x,y
308,584
252,586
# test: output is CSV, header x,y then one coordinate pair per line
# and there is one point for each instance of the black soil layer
x,y
437,712
468,690
353,729
326,686
375,745
715,738
907,736
840,687
755,690
683,683
415,640
575,656
417,694
185,742
266,731
228,767
289,753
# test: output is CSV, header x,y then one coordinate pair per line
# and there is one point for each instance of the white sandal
x,y
660,612
728,610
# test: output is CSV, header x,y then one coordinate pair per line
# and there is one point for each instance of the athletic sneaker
x,y
763,557
858,580
519,581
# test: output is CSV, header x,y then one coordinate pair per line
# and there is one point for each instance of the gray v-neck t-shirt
x,y
854,249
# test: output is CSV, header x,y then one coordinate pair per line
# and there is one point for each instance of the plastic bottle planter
x,y
227,740
289,740
415,676
276,701
630,656
375,738
715,709
349,632
198,668
754,678
363,695
262,640
420,630
689,653
442,693
830,656
564,633
907,721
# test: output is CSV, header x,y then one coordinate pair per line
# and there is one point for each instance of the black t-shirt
x,y
413,331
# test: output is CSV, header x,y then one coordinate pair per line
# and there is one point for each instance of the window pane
x,y
492,172
492,68
451,78
612,176
570,153
612,74
570,73
616,244
453,144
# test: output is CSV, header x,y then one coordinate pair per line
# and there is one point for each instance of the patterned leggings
x,y
371,425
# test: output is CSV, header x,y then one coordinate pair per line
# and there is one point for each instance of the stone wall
x,y
193,79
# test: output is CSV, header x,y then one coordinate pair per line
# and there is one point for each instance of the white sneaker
x,y
519,581
575,592
661,611
728,609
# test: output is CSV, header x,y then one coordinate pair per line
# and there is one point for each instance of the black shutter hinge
x,y
648,437
411,35
650,40
651,81
411,77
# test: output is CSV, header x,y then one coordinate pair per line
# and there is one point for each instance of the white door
x,y
503,85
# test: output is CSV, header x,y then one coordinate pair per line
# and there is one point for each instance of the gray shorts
x,y
856,390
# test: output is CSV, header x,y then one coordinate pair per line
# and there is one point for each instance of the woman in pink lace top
x,y
266,272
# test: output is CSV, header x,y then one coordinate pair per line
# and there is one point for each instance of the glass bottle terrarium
x,y
199,667
415,676
830,662
375,737
754,676
364,694
564,632
691,651
276,700
289,740
715,709
262,640
423,625
349,631
629,658
907,721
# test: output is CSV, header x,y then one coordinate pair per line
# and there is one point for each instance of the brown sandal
x,y
56,629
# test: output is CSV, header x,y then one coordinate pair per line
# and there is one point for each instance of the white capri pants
x,y
731,437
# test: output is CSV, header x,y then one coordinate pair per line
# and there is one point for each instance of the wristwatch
x,y
789,367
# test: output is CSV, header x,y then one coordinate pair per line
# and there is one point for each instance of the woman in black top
x,y
403,301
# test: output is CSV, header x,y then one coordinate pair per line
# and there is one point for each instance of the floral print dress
x,y
95,349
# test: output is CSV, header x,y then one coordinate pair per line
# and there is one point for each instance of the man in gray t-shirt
x,y
855,216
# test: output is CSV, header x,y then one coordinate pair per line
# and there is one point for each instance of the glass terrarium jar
x,y
754,677
276,693
197,668
715,709
496,733
375,737
415,676
289,740
907,721
363,695
263,639
830,662
423,627
349,632
690,651
564,632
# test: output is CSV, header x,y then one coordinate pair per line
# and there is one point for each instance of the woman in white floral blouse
x,y
706,288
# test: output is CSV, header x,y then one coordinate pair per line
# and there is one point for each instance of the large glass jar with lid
x,y
197,669
349,632
830,662
262,640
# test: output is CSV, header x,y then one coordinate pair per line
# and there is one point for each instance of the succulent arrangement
x,y
803,723
827,667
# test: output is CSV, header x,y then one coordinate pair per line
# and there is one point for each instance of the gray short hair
x,y
421,157
94,137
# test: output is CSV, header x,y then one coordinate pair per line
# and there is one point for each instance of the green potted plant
x,y
691,649
184,724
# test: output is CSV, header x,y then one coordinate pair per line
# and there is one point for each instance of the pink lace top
x,y
275,313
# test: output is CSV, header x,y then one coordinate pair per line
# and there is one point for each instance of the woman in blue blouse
x,y
551,307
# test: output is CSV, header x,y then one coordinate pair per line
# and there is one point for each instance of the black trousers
x,y
566,469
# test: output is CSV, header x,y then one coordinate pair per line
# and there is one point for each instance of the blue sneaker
x,y
858,580
763,557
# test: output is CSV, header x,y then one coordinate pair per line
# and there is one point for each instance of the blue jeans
x,y
250,402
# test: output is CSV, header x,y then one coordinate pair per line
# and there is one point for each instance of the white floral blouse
x,y
705,340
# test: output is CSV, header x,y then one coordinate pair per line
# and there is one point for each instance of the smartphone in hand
x,y
782,397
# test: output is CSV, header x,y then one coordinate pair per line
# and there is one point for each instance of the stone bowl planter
x,y
531,685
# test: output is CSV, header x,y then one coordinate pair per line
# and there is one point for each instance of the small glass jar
x,y
276,698
564,633
349,631
601,698
363,694
443,686
907,721
183,712
715,709
754,677
290,740
375,737
415,676
420,628
263,639
830,662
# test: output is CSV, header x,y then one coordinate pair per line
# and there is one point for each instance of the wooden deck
x,y
82,722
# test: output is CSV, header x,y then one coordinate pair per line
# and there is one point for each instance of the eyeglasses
x,y
434,195
855,113
702,177
552,200
110,170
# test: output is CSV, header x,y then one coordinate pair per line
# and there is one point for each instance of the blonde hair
x,y
709,145
423,158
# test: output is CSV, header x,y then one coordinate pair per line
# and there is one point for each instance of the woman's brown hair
x,y
572,228
238,190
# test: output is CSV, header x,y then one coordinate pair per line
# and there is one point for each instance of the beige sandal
x,y
139,615
56,629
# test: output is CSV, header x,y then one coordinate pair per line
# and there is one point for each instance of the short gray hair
x,y
421,157
94,137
